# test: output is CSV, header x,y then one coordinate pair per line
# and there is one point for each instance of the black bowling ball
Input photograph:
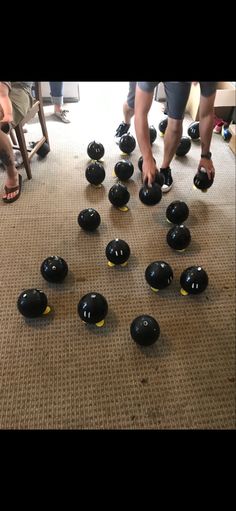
x,y
124,169
150,195
33,303
159,275
117,252
226,133
177,212
144,330
127,143
162,126
193,280
93,308
193,130
140,163
54,269
119,195
153,134
184,146
89,219
95,150
159,178
95,173
179,237
201,180
43,150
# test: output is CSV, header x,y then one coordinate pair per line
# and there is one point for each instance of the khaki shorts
x,y
21,103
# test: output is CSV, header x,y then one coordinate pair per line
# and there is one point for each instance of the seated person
x,y
5,104
15,101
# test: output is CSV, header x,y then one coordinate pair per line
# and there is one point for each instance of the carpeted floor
x,y
58,373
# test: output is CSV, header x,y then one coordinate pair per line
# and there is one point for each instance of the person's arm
x,y
143,102
206,118
5,103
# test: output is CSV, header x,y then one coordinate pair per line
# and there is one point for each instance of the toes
x,y
10,195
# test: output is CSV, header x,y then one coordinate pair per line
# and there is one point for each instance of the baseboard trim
x,y
48,100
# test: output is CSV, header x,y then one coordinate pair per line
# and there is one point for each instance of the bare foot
x,y
11,183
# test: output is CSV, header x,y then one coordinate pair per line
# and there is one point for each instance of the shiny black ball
x,y
95,150
89,219
159,275
32,303
163,125
54,269
153,134
124,169
117,251
119,195
150,195
127,143
193,130
92,308
184,146
177,212
201,180
144,330
179,237
193,280
95,173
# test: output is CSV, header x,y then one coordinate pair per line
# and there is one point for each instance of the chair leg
x,y
13,138
41,116
23,149
43,123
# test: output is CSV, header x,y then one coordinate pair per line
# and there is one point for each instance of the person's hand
x,y
208,166
149,171
7,118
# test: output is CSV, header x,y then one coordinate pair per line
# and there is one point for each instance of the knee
x,y
128,108
175,127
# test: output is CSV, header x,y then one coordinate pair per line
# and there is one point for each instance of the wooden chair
x,y
19,141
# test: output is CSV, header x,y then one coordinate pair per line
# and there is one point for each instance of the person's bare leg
x,y
57,108
128,113
123,128
171,140
7,158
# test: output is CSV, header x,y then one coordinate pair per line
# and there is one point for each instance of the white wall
x,y
71,91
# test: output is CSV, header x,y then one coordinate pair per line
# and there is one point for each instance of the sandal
x,y
15,189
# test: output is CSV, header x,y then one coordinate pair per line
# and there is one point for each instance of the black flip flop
x,y
15,189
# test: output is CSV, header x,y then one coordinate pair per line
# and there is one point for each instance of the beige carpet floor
x,y
58,373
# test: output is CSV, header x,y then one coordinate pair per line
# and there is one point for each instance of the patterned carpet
x,y
57,372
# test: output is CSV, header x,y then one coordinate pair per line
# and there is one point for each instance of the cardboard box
x,y
225,101
232,142
160,94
